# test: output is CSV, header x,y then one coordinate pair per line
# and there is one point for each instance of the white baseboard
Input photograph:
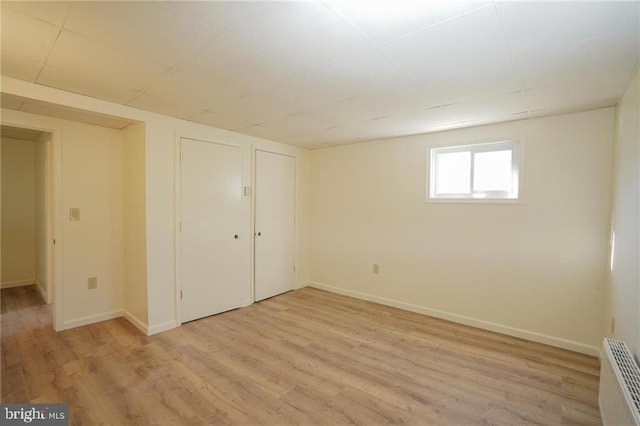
x,y
461,319
155,329
140,325
91,319
300,285
19,283
42,292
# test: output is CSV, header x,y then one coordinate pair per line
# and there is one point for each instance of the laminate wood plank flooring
x,y
306,357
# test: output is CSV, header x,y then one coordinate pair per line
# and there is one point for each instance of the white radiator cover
x,y
619,396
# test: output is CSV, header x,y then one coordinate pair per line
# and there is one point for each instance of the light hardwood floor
x,y
305,357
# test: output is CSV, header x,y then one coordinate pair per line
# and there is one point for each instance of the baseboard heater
x,y
619,396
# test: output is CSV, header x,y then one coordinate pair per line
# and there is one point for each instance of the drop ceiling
x,y
314,74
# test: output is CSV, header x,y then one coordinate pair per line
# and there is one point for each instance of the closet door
x,y
214,249
274,224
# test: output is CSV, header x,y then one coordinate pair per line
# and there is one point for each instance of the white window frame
x,y
516,146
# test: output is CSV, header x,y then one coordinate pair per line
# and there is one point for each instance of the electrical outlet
x,y
613,325
376,268
92,283
74,213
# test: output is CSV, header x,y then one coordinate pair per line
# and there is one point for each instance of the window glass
x,y
453,172
489,171
492,171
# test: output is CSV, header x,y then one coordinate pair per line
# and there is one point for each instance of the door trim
x,y
53,210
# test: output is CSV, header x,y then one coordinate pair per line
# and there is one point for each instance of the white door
x,y
274,224
214,240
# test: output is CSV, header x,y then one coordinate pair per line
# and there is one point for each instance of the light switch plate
x,y
74,213
92,283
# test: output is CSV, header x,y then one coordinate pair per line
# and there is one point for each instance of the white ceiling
x,y
313,74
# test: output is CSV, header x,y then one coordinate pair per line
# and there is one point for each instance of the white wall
x,y
161,134
92,180
135,232
533,269
18,212
161,155
622,300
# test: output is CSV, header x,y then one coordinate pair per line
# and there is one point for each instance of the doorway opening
x,y
26,231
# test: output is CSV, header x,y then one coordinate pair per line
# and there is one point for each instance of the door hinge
x,y
180,227
180,294
294,268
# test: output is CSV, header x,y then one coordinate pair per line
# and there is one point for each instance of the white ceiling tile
x,y
322,138
163,105
408,124
616,51
384,20
222,120
20,68
258,108
89,85
147,29
289,126
610,54
537,26
407,98
302,35
313,73
365,71
52,12
302,92
76,52
81,66
579,93
485,110
25,37
225,60
190,88
341,113
429,120
470,45
219,15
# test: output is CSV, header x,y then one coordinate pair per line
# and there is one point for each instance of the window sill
x,y
474,200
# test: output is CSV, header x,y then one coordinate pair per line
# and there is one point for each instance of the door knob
x,y
259,233
236,236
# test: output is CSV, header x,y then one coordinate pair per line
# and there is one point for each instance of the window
x,y
488,171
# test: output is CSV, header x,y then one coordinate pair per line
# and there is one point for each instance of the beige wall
x,y
622,299
18,212
135,235
533,269
92,180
